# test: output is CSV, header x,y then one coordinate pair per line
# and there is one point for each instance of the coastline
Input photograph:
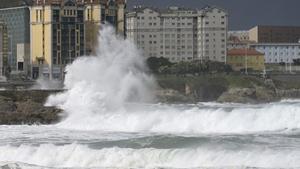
x,y
27,106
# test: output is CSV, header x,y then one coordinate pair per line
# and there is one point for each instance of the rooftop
x,y
243,52
175,9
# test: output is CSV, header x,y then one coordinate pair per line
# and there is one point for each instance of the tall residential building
x,y
275,34
15,14
179,34
62,30
3,49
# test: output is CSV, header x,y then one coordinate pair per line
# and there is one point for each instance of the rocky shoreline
x,y
27,106
224,89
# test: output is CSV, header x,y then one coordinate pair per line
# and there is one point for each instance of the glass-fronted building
x,y
18,26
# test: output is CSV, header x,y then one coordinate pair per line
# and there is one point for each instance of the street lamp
x,y
246,59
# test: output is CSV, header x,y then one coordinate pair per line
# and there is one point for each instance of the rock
x,y
6,105
18,110
206,93
46,116
29,106
238,95
172,96
249,95
265,95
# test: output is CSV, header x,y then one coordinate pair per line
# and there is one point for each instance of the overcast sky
x,y
243,14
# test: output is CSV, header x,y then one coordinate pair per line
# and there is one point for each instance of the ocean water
x,y
111,121
163,136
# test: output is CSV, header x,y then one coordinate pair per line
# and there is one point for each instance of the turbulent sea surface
x,y
110,122
164,136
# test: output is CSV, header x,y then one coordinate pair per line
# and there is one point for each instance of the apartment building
x,y
274,34
62,30
179,34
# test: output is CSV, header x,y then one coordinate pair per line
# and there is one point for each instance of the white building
x,y
179,34
278,52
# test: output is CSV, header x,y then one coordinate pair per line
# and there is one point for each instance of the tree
x,y
155,63
296,61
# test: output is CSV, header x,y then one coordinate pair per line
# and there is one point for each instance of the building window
x,y
41,15
37,15
88,14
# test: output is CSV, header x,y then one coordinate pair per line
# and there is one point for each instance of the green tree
x,y
155,63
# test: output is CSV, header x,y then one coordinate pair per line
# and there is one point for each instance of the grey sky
x,y
243,14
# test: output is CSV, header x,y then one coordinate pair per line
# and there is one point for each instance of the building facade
x,y
274,34
57,36
63,30
245,59
278,52
17,20
3,50
179,34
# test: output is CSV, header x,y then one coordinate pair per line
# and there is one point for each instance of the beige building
x,y
179,34
246,59
62,30
274,34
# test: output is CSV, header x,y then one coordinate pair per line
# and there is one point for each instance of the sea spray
x,y
47,84
104,83
106,92
192,119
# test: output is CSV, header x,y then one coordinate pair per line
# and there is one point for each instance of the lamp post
x,y
246,59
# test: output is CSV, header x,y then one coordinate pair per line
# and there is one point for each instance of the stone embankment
x,y
26,107
236,89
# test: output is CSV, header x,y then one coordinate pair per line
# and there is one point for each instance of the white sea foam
x,y
46,84
82,156
103,83
100,87
191,120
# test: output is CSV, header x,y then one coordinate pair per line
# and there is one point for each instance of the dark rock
x,y
30,109
172,96
6,105
238,95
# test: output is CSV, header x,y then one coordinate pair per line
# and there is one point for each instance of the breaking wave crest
x,y
100,89
191,119
82,156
